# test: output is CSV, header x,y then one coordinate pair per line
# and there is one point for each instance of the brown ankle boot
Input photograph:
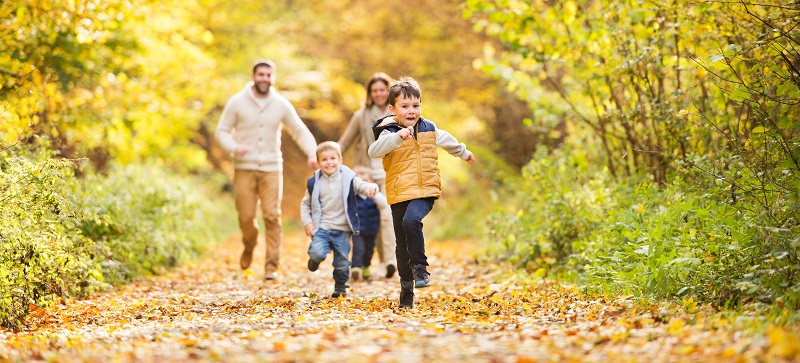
x,y
246,259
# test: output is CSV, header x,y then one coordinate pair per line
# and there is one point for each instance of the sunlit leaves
x,y
90,66
613,53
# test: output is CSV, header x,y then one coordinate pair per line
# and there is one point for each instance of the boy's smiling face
x,y
406,110
329,161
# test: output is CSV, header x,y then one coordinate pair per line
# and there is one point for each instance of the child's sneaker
x,y
312,265
269,276
365,272
421,276
356,273
406,294
339,291
390,270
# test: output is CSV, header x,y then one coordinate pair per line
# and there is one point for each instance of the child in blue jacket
x,y
369,213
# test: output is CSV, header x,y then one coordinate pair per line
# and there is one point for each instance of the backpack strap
x,y
310,184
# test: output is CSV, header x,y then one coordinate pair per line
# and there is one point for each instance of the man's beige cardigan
x,y
244,122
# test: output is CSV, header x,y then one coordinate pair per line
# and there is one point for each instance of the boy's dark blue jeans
x,y
407,218
363,249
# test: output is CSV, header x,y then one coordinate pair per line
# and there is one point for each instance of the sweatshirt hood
x,y
385,123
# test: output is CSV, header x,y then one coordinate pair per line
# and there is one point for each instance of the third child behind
x,y
369,213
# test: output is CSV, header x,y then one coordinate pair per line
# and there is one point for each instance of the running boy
x,y
369,213
407,143
329,212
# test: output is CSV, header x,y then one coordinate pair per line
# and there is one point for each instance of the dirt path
x,y
212,311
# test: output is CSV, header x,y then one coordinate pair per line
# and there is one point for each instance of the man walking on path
x,y
250,128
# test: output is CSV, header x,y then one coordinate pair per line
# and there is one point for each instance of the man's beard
x,y
265,90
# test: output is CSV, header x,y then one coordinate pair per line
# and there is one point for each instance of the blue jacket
x,y
369,214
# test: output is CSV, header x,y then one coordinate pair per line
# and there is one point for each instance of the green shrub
x,y
558,200
147,220
43,256
677,240
68,237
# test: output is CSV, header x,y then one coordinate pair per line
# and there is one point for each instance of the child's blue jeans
x,y
326,241
407,217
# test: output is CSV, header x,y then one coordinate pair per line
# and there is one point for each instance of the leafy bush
x,y
558,200
43,256
68,237
147,219
663,242
712,125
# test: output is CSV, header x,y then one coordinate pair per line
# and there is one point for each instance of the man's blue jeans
x,y
326,241
407,217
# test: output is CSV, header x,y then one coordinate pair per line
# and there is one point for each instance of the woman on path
x,y
359,135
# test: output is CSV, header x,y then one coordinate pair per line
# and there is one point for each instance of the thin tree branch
x,y
748,3
10,73
783,33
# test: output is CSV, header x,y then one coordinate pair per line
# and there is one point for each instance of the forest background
x,y
650,149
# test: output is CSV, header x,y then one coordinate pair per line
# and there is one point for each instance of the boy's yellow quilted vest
x,y
412,170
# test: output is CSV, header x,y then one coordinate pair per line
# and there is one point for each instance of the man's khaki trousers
x,y
251,187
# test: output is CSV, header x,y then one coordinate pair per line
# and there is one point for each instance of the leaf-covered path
x,y
212,311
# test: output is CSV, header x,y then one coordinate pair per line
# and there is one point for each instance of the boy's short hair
x,y
406,86
329,145
363,169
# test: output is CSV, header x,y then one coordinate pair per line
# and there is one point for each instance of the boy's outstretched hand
x,y
372,188
470,159
406,133
310,229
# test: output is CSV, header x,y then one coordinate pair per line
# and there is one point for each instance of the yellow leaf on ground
x,y
783,343
676,326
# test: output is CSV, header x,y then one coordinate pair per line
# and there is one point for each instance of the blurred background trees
x,y
145,81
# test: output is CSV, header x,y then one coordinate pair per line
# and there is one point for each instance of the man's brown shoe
x,y
246,259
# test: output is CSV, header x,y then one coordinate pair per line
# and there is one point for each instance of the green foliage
x,y
147,219
662,242
65,237
42,255
651,80
92,75
650,89
551,212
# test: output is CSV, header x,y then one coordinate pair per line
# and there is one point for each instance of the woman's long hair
x,y
377,77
